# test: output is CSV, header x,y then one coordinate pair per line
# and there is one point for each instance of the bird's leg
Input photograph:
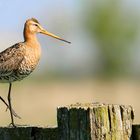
x,y
13,112
10,106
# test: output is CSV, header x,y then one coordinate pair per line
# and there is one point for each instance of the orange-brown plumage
x,y
19,60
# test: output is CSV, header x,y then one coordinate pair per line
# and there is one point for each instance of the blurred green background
x,y
101,65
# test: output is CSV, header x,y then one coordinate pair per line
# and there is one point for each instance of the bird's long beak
x,y
43,31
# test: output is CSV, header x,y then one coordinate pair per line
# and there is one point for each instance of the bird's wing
x,y
10,59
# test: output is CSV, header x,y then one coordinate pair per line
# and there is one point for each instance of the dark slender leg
x,y
13,112
4,102
10,106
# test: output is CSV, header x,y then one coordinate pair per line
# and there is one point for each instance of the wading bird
x,y
19,60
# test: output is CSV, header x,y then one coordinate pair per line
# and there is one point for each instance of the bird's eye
x,y
35,25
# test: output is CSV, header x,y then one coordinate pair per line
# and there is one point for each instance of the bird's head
x,y
32,26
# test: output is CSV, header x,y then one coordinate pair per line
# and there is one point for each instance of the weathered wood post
x,y
95,122
135,132
28,133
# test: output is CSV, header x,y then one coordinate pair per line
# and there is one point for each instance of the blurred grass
x,y
114,31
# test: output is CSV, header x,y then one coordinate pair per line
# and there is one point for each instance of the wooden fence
x,y
93,121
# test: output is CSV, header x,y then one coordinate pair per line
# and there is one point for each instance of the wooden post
x,y
95,122
135,132
28,133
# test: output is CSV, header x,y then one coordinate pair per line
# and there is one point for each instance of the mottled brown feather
x,y
10,59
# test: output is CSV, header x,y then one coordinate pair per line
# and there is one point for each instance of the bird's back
x,y
16,63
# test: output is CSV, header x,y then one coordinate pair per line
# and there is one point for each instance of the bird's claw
x,y
12,125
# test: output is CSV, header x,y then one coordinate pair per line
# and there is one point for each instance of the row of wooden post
x,y
91,121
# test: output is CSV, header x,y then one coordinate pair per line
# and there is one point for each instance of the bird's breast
x,y
30,60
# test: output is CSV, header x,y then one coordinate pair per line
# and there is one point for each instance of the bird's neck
x,y
30,37
31,42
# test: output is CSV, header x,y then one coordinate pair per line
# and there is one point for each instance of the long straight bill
x,y
54,36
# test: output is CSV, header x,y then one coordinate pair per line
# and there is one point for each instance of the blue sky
x,y
62,17
13,11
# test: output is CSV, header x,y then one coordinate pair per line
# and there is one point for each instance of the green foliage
x,y
114,31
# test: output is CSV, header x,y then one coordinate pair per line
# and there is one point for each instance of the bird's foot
x,y
12,125
18,125
14,113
